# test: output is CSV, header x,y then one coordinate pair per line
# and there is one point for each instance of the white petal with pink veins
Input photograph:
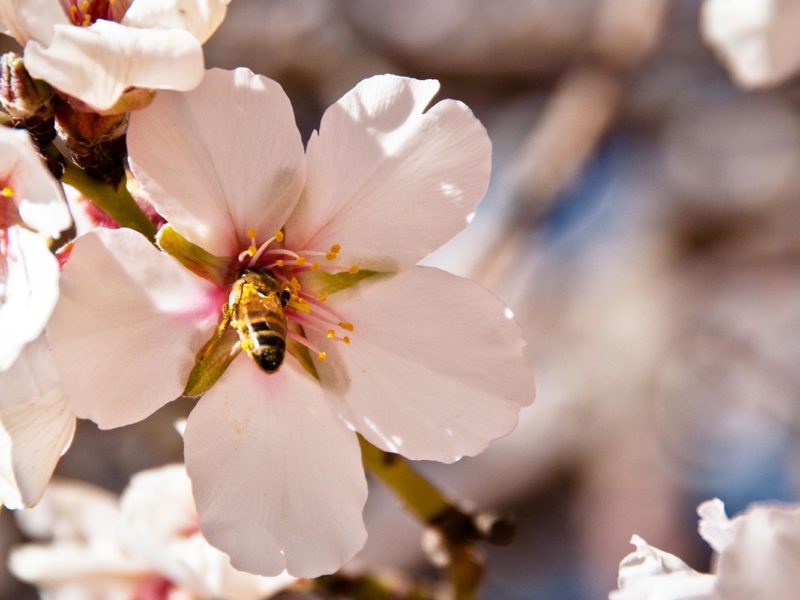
x,y
129,324
28,291
36,426
221,159
276,474
32,19
36,194
96,64
387,181
201,18
435,369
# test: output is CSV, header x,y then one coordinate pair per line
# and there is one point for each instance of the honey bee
x,y
255,310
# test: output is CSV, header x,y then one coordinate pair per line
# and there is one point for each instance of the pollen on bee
x,y
322,356
7,192
247,344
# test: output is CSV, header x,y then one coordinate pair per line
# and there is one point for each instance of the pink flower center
x,y
9,216
305,308
85,12
155,587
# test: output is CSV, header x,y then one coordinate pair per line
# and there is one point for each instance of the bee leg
x,y
227,315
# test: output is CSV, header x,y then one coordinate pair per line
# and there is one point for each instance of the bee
x,y
255,310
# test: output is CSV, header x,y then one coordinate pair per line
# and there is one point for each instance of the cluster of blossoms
x,y
144,545
755,557
309,254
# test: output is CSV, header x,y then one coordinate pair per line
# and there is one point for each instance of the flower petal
x,y
221,159
762,559
755,39
128,326
276,474
387,181
32,19
96,64
201,18
715,527
159,526
652,574
28,292
436,369
36,194
36,426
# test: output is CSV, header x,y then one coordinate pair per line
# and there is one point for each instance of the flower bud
x,y
97,142
28,101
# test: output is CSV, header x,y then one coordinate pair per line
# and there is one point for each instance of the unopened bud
x,y
97,142
28,101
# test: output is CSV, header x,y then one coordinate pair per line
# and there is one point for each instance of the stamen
x,y
346,326
85,5
7,192
331,334
323,296
279,236
301,260
315,266
353,270
301,340
251,233
322,356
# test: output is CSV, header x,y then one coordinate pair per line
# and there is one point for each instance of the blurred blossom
x,y
93,50
757,40
756,556
144,545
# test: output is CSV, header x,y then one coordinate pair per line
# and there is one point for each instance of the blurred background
x,y
642,223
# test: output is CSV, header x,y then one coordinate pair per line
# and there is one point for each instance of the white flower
x,y
418,361
757,40
30,203
757,556
96,49
112,548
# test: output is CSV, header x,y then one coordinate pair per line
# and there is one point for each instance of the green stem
x,y
117,201
420,497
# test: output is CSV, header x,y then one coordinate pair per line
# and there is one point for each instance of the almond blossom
x,y
416,360
94,50
36,426
144,545
755,557
755,39
31,203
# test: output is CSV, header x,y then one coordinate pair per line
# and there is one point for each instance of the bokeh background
x,y
643,223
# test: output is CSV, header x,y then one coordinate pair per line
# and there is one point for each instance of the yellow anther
x,y
331,334
87,20
353,270
247,344
295,283
346,339
346,326
85,5
7,192
323,296
251,233
251,251
279,236
301,260
336,248
315,266
73,10
330,255
279,262
322,356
